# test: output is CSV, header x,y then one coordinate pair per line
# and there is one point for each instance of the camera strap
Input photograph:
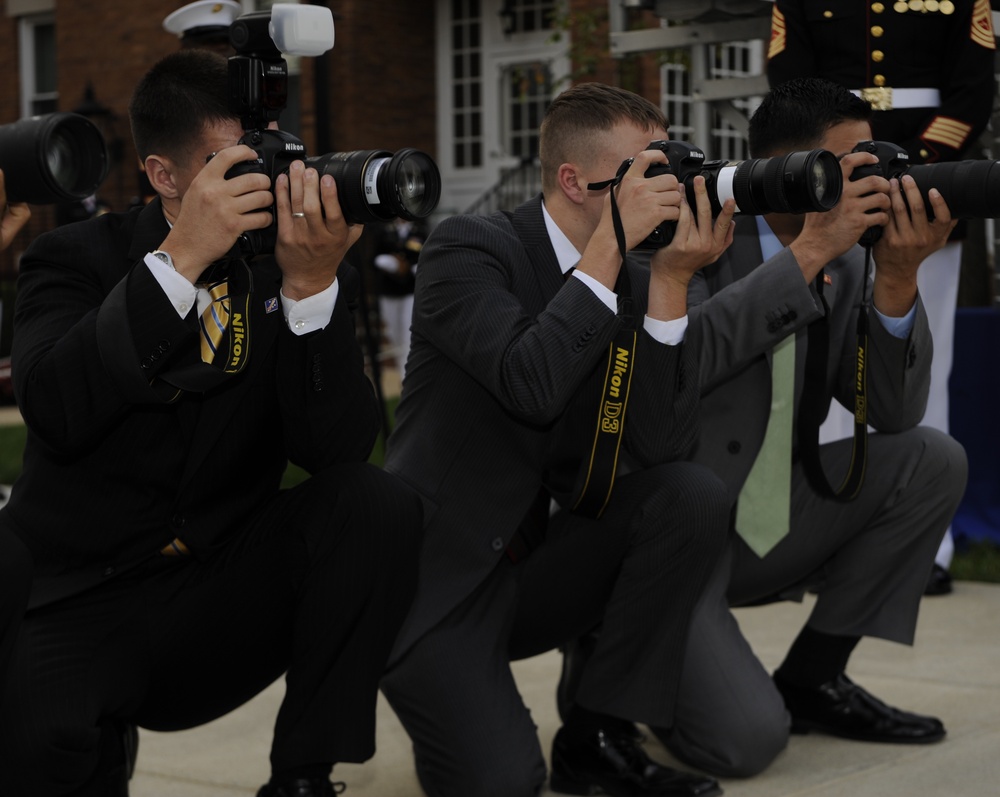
x,y
812,409
597,472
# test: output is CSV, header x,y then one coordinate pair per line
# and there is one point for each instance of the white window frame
x,y
27,27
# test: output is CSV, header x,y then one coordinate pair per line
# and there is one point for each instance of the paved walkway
x,y
953,672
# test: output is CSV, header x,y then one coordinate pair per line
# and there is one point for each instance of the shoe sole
x,y
563,785
801,728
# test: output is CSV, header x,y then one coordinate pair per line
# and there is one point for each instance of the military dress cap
x,y
201,18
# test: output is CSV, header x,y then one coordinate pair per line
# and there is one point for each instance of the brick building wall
x,y
379,81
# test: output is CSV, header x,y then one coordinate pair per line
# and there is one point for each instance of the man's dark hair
x,y
176,100
796,115
575,115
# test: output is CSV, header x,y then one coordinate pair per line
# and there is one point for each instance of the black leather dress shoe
x,y
939,581
842,708
609,762
301,787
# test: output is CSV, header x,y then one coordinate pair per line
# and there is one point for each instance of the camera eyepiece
x,y
52,158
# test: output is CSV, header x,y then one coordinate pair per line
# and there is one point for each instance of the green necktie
x,y
765,500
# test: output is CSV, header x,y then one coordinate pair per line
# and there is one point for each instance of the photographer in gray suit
x,y
786,297
498,411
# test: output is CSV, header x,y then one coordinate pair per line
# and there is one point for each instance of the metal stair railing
x,y
517,184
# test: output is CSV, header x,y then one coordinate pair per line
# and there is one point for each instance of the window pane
x,y
45,58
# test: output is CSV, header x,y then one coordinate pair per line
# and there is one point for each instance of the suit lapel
x,y
529,224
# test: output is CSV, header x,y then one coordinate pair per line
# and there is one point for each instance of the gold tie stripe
x,y
214,319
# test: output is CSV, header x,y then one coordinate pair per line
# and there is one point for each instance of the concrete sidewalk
x,y
953,672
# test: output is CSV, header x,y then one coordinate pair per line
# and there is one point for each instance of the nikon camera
x,y
372,185
970,187
797,182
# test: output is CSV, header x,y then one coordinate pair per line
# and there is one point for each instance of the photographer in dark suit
x,y
499,409
172,578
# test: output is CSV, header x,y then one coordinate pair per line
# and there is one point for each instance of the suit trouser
x,y
639,569
867,561
317,584
16,567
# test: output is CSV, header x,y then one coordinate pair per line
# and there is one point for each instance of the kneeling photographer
x,y
788,319
166,377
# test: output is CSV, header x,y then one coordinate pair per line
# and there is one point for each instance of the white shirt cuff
x,y
669,332
179,290
609,297
312,313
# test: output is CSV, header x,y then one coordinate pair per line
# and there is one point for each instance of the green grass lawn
x,y
979,562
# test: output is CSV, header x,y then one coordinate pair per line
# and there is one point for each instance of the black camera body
x,y
798,182
970,187
372,185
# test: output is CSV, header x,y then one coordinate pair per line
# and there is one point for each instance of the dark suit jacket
x,y
741,307
117,463
501,394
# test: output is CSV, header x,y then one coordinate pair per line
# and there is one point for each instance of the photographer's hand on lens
x,y
907,239
697,241
215,211
13,216
863,203
310,247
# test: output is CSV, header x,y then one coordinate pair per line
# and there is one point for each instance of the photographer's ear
x,y
162,173
572,183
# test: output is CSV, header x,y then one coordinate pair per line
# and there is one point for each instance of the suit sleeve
x,y
747,317
898,372
71,389
329,409
472,273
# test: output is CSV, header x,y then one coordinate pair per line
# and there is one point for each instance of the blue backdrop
x,y
975,420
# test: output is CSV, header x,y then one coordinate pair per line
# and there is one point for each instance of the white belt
x,y
886,98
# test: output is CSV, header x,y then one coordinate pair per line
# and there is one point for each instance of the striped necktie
x,y
214,319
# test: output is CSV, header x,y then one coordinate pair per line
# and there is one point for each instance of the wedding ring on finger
x,y
298,215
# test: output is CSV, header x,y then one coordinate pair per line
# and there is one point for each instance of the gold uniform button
x,y
931,5
947,7
924,153
900,7
916,5
878,8
879,80
827,14
877,56
877,31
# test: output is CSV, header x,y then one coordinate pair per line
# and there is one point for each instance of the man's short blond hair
x,y
579,115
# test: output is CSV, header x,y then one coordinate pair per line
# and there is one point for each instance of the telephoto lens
x,y
971,187
52,158
798,182
375,185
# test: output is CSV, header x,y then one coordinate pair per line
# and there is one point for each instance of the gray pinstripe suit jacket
x,y
501,394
